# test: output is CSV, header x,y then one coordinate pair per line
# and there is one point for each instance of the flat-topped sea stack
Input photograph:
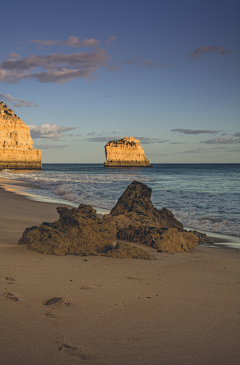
x,y
126,152
16,145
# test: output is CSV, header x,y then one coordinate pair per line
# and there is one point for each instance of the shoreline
x,y
19,187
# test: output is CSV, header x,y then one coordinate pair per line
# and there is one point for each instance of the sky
x,y
167,72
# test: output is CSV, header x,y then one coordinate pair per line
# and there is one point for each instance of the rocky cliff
x,y
16,145
126,152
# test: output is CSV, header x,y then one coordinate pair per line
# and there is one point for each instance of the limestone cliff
x,y
16,145
126,152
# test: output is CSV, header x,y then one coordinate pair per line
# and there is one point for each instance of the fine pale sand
x,y
179,309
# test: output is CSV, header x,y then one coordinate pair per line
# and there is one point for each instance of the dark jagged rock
x,y
79,231
137,220
136,199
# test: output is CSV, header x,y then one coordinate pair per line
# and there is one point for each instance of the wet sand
x,y
181,308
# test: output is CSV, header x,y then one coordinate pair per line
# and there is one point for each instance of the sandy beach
x,y
178,309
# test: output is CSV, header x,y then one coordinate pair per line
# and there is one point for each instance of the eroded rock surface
x,y
123,250
16,145
126,152
137,220
135,203
78,231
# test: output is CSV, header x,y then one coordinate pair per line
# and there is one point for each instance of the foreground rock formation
x,y
78,231
127,152
16,145
137,220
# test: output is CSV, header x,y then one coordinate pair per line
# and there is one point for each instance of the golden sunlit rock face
x,y
126,152
16,145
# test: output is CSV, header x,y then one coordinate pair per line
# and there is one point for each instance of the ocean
x,y
202,196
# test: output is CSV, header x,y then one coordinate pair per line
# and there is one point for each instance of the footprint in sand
x,y
72,351
10,296
86,287
132,278
50,315
56,300
9,280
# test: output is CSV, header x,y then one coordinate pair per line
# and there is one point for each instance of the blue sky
x,y
80,73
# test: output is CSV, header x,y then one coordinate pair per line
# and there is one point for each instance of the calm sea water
x,y
206,197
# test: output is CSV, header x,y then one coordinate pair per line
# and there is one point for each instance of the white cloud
x,y
48,130
17,103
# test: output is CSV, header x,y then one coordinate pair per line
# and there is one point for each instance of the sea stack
x,y
16,144
126,152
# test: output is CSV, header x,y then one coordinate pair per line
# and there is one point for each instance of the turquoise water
x,y
202,196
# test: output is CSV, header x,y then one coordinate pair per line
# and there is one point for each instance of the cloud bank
x,y
210,49
193,131
56,67
60,68
101,138
17,103
223,140
47,130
